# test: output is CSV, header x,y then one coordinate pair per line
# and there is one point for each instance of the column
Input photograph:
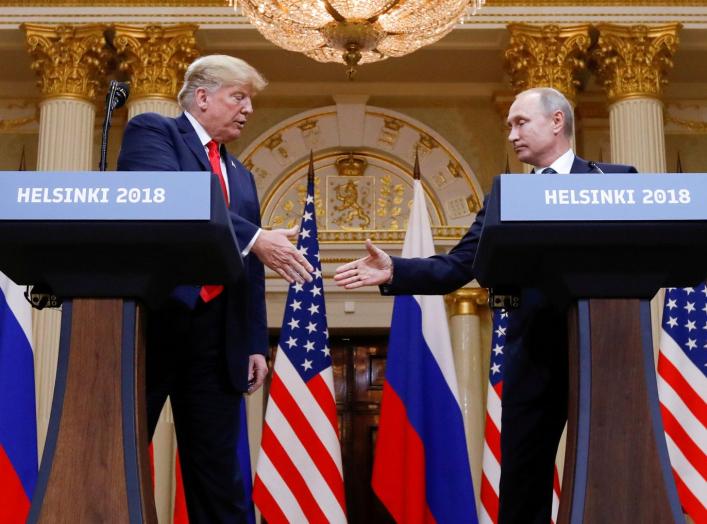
x,y
70,62
632,63
469,360
547,56
155,59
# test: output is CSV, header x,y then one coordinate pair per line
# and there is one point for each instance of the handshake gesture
x,y
371,270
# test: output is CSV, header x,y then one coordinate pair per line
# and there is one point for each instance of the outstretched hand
x,y
275,250
371,270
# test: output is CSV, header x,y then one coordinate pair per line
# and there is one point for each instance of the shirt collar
x,y
200,131
562,165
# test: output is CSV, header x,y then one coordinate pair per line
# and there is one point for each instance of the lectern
x,y
107,243
604,244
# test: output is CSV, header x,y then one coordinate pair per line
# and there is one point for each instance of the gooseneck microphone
x,y
118,93
595,168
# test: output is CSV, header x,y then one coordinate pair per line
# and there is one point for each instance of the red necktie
x,y
208,293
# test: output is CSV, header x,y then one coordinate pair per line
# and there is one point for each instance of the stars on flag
x,y
498,343
309,352
687,309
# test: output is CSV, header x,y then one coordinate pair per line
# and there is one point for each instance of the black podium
x,y
616,467
95,465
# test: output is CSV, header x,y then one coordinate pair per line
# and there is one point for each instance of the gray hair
x,y
552,100
214,71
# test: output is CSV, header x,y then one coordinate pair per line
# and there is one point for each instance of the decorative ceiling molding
x,y
230,3
217,14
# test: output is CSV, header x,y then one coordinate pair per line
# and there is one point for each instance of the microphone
x,y
118,93
595,168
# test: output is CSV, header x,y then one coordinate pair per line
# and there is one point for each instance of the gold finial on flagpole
x,y
416,169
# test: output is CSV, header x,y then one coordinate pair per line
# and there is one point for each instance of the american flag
x,y
299,474
491,462
682,388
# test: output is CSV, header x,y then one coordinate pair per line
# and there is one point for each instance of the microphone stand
x,y
117,94
102,164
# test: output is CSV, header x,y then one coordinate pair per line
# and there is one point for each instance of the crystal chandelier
x,y
355,31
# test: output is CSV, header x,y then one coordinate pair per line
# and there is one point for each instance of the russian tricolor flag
x,y
18,426
421,468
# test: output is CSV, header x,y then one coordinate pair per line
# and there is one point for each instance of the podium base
x,y
95,466
616,465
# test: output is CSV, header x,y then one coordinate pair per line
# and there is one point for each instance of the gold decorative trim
x,y
423,133
466,301
70,60
117,3
595,3
286,178
547,55
394,236
692,125
13,123
230,3
633,61
155,57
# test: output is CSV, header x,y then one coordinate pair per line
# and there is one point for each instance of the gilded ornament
x,y
390,131
70,60
351,202
351,165
693,125
547,56
155,57
466,301
310,133
388,204
633,61
424,145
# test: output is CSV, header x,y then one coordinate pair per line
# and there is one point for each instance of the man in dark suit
x,y
207,345
534,400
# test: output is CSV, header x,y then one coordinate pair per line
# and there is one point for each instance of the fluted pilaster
x,y
637,133
155,58
71,63
66,127
547,56
469,356
46,325
632,63
153,105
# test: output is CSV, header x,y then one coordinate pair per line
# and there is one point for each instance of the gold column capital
x,y
466,301
547,56
71,60
155,57
633,61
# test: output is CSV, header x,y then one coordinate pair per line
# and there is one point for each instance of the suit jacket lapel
x,y
192,140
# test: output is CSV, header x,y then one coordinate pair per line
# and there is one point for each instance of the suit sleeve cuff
x,y
250,244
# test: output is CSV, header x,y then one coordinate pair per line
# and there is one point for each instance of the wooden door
x,y
359,372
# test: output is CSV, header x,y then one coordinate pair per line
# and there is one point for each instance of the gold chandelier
x,y
355,31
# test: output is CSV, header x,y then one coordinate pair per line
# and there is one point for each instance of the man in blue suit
x,y
535,384
206,346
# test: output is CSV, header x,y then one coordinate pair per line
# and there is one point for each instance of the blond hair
x,y
214,71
